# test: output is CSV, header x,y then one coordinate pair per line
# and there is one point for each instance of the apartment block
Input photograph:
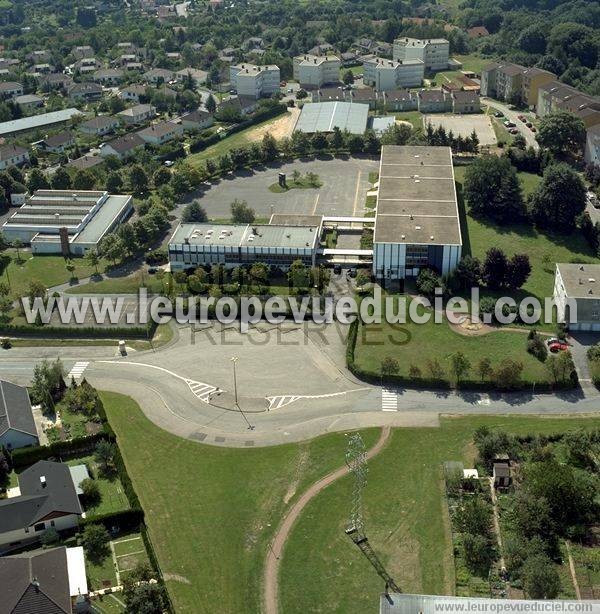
x,y
555,96
254,81
385,75
433,52
313,71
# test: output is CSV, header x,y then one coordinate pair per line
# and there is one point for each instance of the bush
x,y
537,347
94,540
157,257
540,578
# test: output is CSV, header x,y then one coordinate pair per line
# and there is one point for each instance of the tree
x,y
162,176
484,368
478,553
18,245
560,367
474,516
84,180
92,259
494,268
210,104
47,385
269,148
105,456
194,212
559,199
138,180
91,492
348,77
562,133
318,141
336,139
114,182
37,181
518,269
113,248
389,366
299,275
61,180
507,374
241,213
540,578
492,189
142,596
468,272
94,540
459,366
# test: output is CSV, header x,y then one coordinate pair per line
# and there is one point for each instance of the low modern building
x,y
313,71
417,222
433,52
43,120
325,116
66,221
160,133
17,425
384,75
51,581
12,155
577,296
434,101
254,81
47,500
232,245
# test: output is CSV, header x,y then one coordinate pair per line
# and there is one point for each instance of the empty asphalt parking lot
x,y
464,125
345,184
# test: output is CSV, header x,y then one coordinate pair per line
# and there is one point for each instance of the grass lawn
x,y
472,62
302,184
413,344
50,270
212,511
239,139
373,177
120,285
108,604
412,117
524,238
405,519
129,552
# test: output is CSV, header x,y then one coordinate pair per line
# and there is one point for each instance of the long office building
x,y
67,222
194,245
417,222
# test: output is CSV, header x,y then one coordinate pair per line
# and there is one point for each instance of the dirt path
x,y
280,128
271,588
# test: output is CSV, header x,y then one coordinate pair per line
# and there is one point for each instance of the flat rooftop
x,y
580,280
325,116
296,219
416,203
37,121
246,235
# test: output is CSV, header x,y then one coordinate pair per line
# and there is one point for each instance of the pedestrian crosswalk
x,y
201,390
281,401
77,371
389,400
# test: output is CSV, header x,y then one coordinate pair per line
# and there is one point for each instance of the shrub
x,y
537,347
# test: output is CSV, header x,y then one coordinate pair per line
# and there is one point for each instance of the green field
x,y
121,285
405,517
412,117
472,62
212,511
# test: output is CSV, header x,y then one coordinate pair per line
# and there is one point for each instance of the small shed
x,y
78,474
501,474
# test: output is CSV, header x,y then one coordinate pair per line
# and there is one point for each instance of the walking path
x,y
271,584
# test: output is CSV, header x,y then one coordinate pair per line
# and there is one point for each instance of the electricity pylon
x,y
356,461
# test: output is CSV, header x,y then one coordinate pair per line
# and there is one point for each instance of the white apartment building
x,y
315,70
385,75
254,81
434,52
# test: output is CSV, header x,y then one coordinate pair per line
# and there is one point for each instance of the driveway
x,y
512,116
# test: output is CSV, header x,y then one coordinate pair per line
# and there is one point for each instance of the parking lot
x,y
345,183
464,125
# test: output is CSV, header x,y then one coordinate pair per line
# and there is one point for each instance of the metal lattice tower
x,y
356,461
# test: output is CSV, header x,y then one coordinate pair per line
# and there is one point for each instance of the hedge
x,y
97,332
127,520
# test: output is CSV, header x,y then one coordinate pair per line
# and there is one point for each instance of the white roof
x,y
470,473
76,571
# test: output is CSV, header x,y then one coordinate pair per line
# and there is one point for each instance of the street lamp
x,y
234,360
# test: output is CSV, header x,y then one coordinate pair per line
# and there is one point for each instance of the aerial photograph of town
x,y
299,306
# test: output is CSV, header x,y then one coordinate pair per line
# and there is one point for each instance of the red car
x,y
558,346
533,129
521,117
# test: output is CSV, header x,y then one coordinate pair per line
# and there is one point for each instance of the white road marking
x,y
201,390
279,401
389,400
77,370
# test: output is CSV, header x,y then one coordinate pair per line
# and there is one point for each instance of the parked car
x,y
560,346
528,124
533,129
513,131
498,114
510,124
169,163
522,117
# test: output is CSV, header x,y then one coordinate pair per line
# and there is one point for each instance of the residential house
x,y
322,49
56,81
197,120
108,76
17,425
401,100
82,51
122,147
138,114
174,56
99,125
198,76
87,66
166,91
58,143
434,101
477,32
253,42
85,92
86,162
10,89
29,102
313,71
157,75
330,94
577,296
160,133
364,95
51,581
47,500
40,56
41,69
254,81
532,79
384,74
433,52
243,104
465,102
501,472
349,58
135,93
12,155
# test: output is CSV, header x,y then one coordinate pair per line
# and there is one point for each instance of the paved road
x,y
512,115
292,386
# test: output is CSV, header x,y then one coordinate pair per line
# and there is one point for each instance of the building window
x,y
41,526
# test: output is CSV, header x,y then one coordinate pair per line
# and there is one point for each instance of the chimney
x,y
43,481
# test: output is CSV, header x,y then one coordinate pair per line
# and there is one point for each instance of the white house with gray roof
x,y
17,425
